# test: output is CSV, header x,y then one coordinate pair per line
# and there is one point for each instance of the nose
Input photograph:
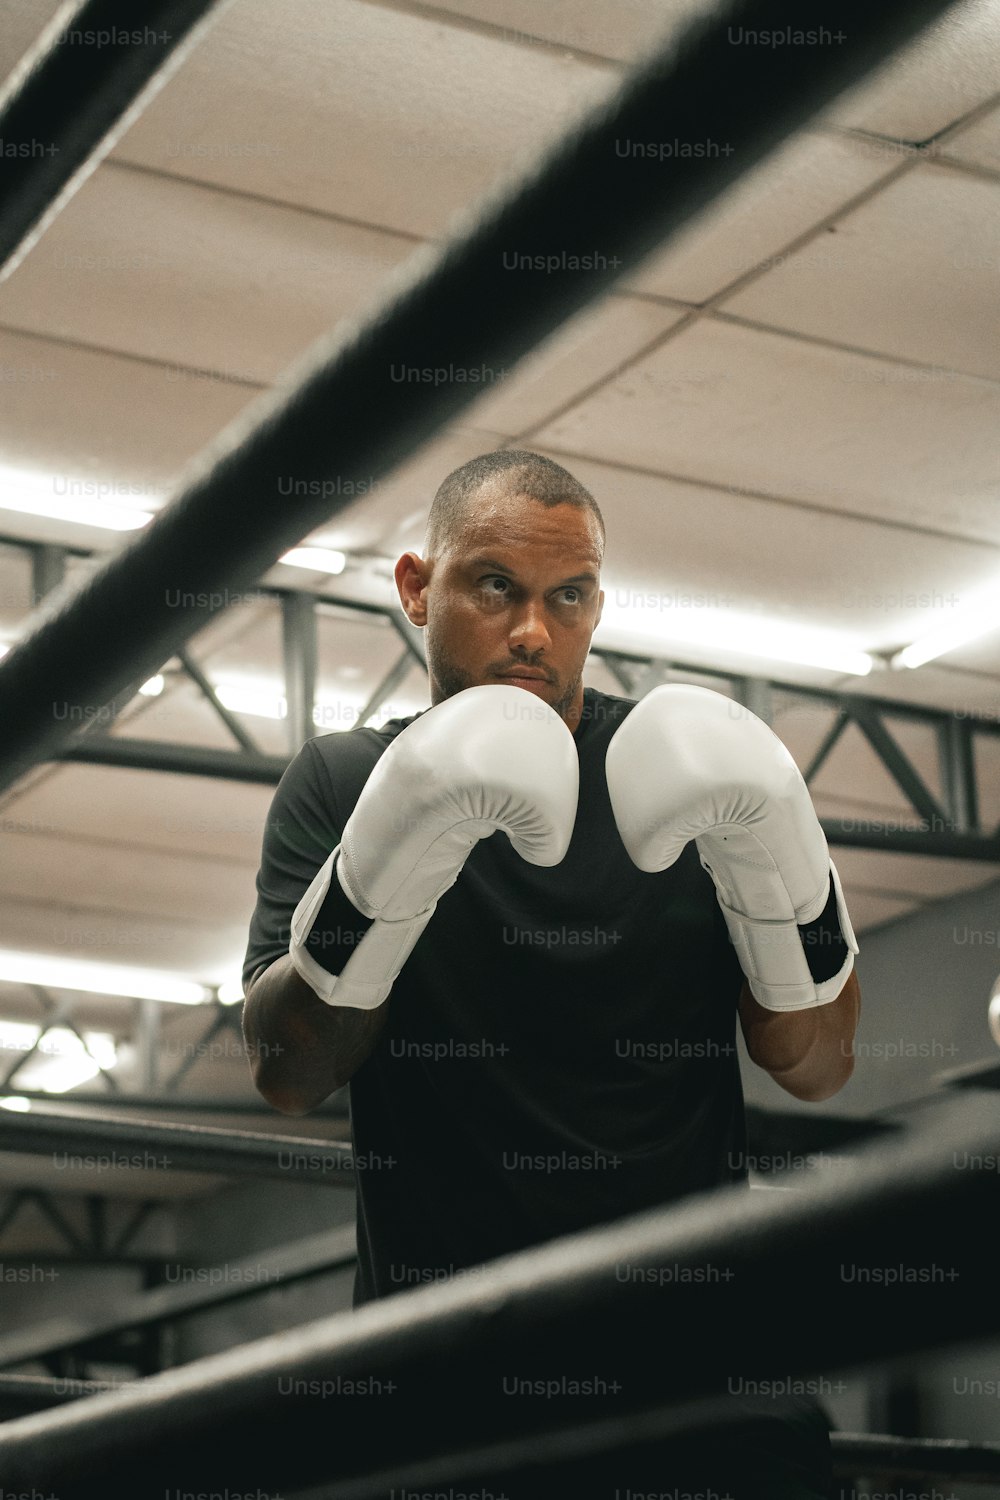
x,y
528,631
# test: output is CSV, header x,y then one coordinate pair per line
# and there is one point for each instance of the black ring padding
x,y
389,1391
341,420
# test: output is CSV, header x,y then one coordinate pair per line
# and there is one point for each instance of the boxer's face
x,y
519,588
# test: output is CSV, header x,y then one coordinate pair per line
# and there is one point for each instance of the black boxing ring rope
x,y
809,1291
74,94
340,415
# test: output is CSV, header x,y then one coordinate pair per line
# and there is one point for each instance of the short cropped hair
x,y
527,473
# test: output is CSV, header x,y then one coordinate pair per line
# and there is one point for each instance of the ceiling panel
x,y
778,414
949,69
934,80
190,276
156,815
91,418
586,349
978,144
189,888
23,22
357,110
806,180
621,29
391,518
678,550
206,950
911,273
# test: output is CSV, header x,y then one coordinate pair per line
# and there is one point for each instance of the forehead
x,y
497,516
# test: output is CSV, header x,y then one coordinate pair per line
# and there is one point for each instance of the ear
x,y
412,576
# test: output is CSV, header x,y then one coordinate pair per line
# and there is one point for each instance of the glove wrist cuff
x,y
772,955
369,974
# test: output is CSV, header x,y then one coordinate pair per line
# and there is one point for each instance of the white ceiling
x,y
794,408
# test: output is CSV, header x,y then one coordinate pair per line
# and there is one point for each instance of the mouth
x,y
528,675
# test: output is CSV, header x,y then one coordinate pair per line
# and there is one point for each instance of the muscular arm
x,y
810,1053
301,1049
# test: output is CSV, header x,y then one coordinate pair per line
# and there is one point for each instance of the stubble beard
x,y
450,679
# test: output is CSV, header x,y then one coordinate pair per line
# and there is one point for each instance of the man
x,y
538,1033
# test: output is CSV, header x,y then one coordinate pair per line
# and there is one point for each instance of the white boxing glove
x,y
688,763
487,758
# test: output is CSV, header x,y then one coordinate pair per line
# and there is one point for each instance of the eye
x,y
487,583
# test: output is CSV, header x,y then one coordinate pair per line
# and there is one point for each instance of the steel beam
x,y
410,635
892,756
827,744
583,216
231,721
198,1289
48,569
178,760
56,1016
221,1020
179,1103
957,761
298,637
60,1014
755,694
157,1145
932,838
935,833
637,674
871,1453
148,1017
396,674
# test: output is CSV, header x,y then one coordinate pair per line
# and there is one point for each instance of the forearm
x,y
300,1048
810,1053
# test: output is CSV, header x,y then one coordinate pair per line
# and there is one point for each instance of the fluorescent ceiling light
x,y
249,698
726,631
266,702
979,618
154,687
316,559
18,1036
16,1103
99,979
60,1061
231,992
34,494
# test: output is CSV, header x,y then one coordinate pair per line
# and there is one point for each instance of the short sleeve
x,y
303,826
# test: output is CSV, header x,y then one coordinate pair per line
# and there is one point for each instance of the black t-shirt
x,y
560,1050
